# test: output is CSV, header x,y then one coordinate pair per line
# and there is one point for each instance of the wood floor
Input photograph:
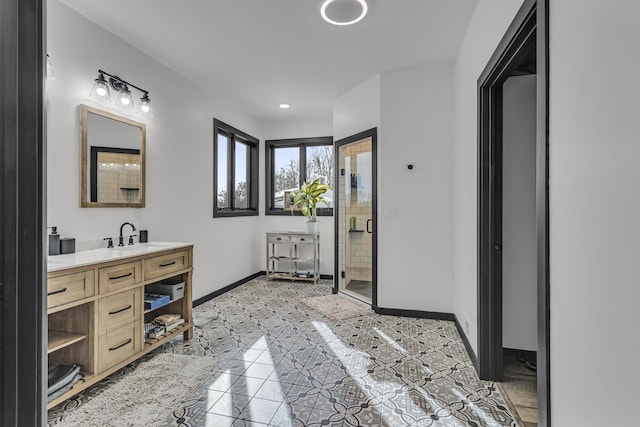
x,y
519,388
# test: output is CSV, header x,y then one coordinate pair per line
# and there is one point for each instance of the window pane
x,y
241,197
223,196
320,165
286,175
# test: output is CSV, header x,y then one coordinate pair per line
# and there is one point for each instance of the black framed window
x,y
289,163
235,174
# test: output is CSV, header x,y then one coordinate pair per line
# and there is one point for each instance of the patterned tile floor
x,y
280,363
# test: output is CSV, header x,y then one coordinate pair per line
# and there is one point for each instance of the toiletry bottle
x,y
54,241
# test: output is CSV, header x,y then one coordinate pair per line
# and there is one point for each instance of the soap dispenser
x,y
54,241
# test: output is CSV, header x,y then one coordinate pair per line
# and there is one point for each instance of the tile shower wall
x,y
356,253
118,178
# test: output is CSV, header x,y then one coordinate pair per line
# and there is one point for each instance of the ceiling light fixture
x,y
343,12
101,92
285,106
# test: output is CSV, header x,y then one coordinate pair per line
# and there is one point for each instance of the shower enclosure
x,y
355,211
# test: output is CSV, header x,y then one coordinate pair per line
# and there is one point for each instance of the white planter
x,y
313,226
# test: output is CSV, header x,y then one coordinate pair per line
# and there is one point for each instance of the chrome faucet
x,y
120,239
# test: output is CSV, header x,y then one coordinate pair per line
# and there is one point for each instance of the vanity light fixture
x,y
285,106
123,99
343,12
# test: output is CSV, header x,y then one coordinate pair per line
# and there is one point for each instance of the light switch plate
x,y
392,213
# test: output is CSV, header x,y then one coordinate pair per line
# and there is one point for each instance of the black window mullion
x,y
303,164
231,167
248,179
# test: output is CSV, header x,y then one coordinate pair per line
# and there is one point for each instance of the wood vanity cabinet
x,y
96,312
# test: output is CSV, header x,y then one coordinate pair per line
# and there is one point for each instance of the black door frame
x,y
373,134
528,30
23,362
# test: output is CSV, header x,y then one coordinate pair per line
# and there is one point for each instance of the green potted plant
x,y
308,197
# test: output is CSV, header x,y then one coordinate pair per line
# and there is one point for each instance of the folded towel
x,y
64,389
60,376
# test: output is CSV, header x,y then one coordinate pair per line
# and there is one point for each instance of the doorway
x,y
522,51
355,222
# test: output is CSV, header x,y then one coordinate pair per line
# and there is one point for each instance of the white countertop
x,y
94,256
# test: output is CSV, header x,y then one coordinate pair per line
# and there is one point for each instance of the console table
x,y
293,255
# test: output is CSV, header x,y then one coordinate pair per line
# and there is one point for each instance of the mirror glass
x,y
112,161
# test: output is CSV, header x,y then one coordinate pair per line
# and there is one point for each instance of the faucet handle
x,y
131,236
110,243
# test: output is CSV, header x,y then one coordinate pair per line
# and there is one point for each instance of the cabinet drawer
x,y
70,287
119,276
275,238
119,309
119,345
165,264
302,239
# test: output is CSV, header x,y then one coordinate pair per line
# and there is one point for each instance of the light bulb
x,y
124,100
145,104
101,91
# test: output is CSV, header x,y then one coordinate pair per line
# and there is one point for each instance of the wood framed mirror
x,y
112,162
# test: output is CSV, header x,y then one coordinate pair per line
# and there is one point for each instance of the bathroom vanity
x,y
95,306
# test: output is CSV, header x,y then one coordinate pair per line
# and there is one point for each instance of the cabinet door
x,y
119,309
119,345
69,288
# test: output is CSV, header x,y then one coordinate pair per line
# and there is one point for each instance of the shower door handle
x,y
369,221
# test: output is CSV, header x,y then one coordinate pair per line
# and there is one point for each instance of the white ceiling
x,y
265,52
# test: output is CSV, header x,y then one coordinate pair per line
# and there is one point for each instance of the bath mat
x,y
337,307
146,396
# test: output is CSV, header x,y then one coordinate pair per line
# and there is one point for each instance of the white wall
x,y
594,211
415,266
179,199
288,130
357,110
519,245
488,25
413,111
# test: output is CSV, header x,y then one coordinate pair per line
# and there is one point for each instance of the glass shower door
x,y
355,236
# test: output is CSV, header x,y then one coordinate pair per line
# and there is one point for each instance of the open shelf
x,y
151,343
164,305
60,339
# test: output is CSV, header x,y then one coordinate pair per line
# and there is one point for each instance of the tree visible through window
x,y
236,172
291,162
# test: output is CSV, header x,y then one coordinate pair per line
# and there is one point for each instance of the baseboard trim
x,y
467,344
227,288
435,315
415,313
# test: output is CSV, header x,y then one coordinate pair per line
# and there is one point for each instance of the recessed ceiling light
x,y
343,12
284,105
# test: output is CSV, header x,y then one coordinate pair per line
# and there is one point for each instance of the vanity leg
x,y
186,307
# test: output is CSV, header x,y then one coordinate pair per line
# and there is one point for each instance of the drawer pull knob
x,y
168,264
278,239
121,310
59,291
120,277
121,345
302,240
